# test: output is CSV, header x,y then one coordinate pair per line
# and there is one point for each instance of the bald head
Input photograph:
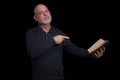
x,y
39,7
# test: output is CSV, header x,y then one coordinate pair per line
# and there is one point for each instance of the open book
x,y
99,43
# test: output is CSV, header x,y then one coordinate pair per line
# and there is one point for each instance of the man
x,y
45,45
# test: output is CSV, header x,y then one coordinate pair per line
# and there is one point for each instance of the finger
x,y
66,37
98,54
103,48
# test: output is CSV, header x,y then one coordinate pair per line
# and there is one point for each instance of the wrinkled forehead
x,y
39,8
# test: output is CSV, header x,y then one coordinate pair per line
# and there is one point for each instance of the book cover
x,y
99,43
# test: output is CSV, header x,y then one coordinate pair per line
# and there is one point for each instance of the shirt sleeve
x,y
75,50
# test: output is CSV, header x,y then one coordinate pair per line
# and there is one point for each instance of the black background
x,y
84,21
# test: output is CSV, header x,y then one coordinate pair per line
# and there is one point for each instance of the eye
x,y
41,13
47,11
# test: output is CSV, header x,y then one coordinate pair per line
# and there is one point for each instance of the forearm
x,y
74,50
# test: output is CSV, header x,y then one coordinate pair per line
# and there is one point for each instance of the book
x,y
99,43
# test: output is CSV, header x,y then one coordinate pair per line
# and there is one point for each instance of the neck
x,y
45,28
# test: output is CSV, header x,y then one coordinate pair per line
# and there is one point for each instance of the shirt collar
x,y
40,30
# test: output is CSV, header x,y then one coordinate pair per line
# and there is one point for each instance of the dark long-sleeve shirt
x,y
46,56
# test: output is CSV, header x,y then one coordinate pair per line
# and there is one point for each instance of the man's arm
x,y
75,50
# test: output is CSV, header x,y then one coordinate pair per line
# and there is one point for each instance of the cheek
x,y
40,17
49,15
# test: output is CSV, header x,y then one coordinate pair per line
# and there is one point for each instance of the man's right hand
x,y
60,38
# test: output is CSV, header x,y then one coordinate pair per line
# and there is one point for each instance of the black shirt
x,y
46,56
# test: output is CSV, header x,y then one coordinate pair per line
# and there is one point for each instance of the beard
x,y
46,21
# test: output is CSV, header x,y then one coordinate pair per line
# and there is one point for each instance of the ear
x,y
35,18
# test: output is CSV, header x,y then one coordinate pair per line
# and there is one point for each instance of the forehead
x,y
40,8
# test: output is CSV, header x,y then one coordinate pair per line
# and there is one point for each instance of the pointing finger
x,y
66,37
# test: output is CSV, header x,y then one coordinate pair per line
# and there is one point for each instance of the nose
x,y
45,13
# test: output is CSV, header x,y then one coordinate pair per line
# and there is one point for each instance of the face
x,y
42,15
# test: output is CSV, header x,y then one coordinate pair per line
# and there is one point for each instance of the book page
x,y
97,45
